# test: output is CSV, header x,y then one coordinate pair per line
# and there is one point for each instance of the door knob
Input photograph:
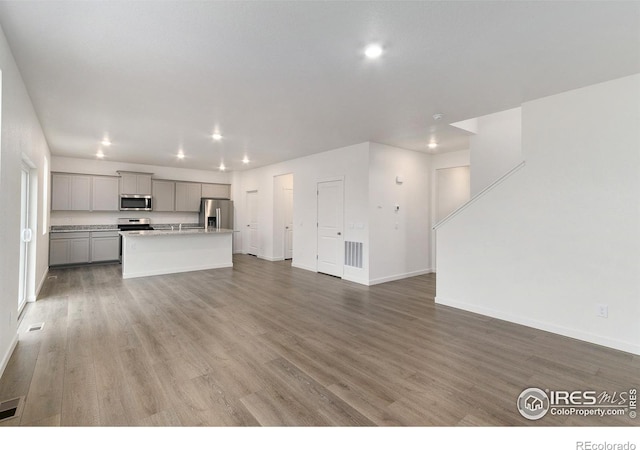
x,y
248,225
339,233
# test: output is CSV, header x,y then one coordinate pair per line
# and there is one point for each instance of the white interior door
x,y
330,227
25,238
288,223
252,225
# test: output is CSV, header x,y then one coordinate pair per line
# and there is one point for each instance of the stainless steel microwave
x,y
132,202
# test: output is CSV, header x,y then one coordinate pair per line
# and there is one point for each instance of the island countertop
x,y
188,231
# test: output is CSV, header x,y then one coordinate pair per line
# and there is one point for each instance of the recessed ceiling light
x,y
180,155
373,51
432,145
99,154
106,142
216,136
245,160
222,167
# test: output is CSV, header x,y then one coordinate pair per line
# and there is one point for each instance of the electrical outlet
x,y
602,311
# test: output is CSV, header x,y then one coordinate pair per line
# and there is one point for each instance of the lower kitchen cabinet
x,y
69,248
83,247
105,246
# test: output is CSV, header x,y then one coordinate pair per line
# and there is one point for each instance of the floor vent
x,y
52,277
10,409
36,326
353,254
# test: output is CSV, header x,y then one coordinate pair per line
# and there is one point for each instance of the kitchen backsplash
x,y
106,218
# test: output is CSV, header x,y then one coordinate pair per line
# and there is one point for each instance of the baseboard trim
x,y
303,267
355,280
544,326
400,276
7,356
39,288
268,258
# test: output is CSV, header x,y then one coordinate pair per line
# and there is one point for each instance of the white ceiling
x,y
286,79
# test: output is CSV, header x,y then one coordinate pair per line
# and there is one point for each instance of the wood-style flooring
x,y
267,344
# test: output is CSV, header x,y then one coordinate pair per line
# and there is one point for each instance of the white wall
x,y
560,235
102,167
398,241
351,162
369,171
496,148
105,167
21,135
452,190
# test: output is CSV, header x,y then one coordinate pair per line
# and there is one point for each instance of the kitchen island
x,y
159,252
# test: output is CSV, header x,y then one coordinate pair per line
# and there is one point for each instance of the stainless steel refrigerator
x,y
216,213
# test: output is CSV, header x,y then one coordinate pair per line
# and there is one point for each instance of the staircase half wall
x,y
560,237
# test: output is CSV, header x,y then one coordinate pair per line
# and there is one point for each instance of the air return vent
x,y
353,254
10,409
36,326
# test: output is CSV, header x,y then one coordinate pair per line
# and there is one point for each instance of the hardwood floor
x,y
267,344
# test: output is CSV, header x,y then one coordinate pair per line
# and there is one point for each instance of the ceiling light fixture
x,y
433,145
222,167
180,155
216,136
245,160
373,51
106,142
99,154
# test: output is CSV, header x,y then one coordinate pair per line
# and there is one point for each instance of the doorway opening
x,y
253,238
283,217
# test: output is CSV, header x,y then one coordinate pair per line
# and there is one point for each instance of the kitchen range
x,y
132,225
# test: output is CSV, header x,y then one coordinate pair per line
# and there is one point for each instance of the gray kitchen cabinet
x,y
188,196
70,192
135,183
69,248
164,195
104,195
210,190
105,246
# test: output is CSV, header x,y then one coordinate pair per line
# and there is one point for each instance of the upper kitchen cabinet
x,y
188,196
164,195
70,192
216,191
105,194
135,183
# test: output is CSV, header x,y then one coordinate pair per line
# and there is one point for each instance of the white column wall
x,y
399,241
350,162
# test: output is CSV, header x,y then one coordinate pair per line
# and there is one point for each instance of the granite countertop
x,y
73,228
176,232
114,227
